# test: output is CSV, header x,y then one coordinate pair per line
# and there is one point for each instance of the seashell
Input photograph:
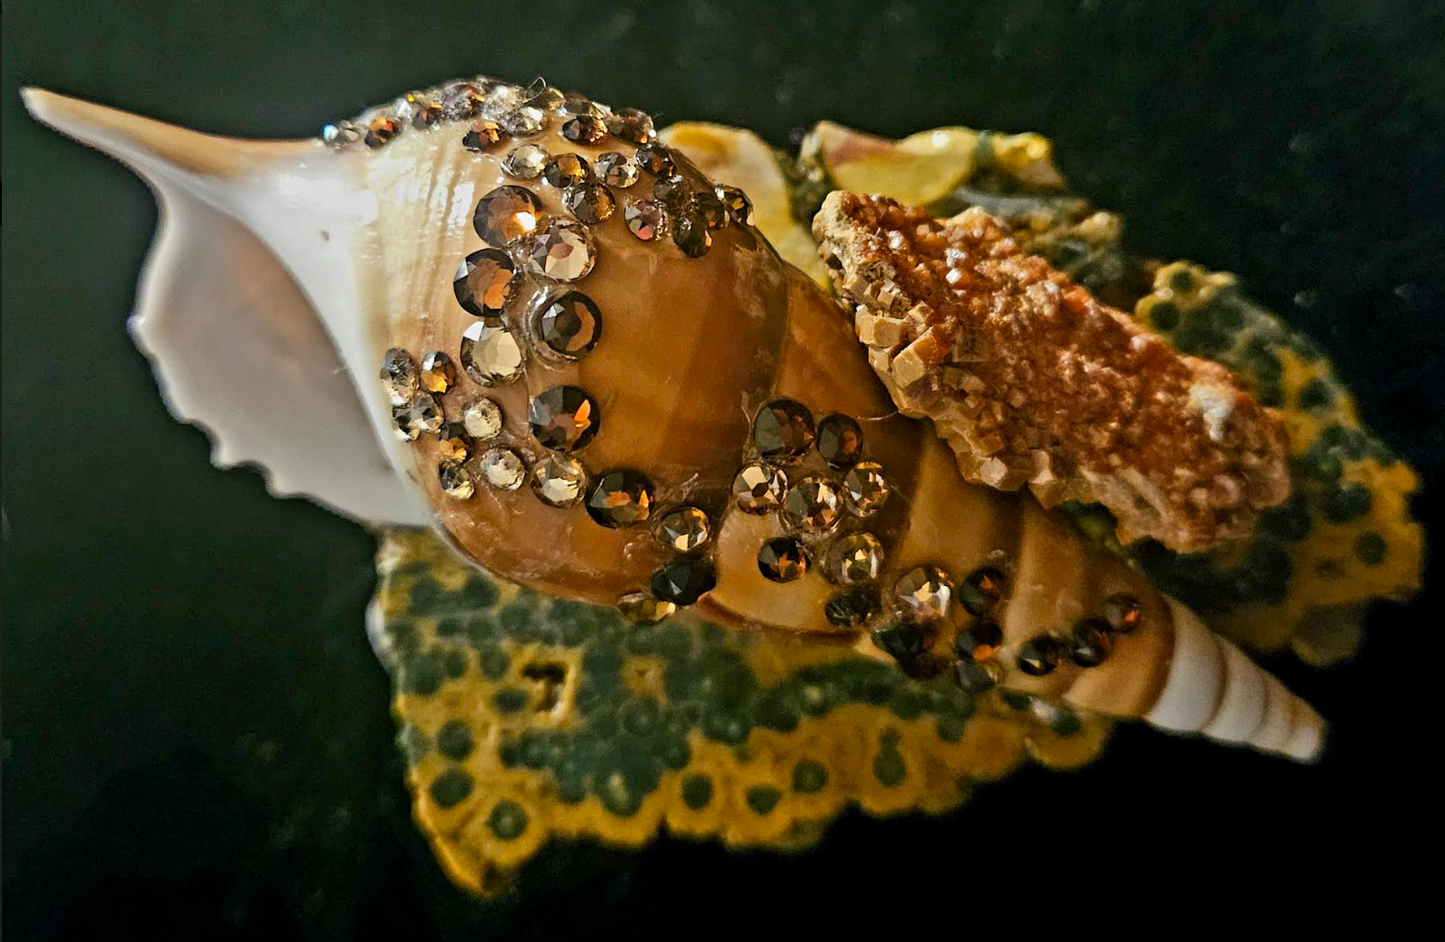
x,y
288,275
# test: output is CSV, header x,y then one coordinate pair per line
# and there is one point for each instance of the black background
x,y
196,738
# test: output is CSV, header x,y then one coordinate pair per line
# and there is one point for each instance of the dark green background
x,y
196,740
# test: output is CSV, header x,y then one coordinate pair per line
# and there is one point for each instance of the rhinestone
x,y
566,170
437,372
672,192
544,98
684,529
525,162
620,498
421,111
655,159
524,121
590,202
501,98
631,125
486,282
854,557
683,579
643,609
865,489
978,676
340,133
1122,613
710,209
563,418
783,430
380,132
980,640
1091,642
923,593
903,642
461,100
980,590
616,169
811,505
482,419
559,481
491,355
690,234
1039,656
852,608
568,325
507,214
421,414
483,135
399,376
453,442
645,219
576,105
584,129
455,480
562,252
739,207
840,441
758,488
502,468
783,559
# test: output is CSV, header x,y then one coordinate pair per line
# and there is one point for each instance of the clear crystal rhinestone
x,y
865,489
340,133
684,529
811,505
438,375
501,99
420,415
783,430
524,121
739,207
486,282
923,593
502,468
461,100
563,418
758,488
380,131
683,579
404,106
616,169
690,234
853,607
491,354
655,159
643,609
853,558
566,170
453,442
525,161
584,129
507,214
577,105
559,481
631,125
568,325
561,252
399,376
621,498
645,219
482,136
455,480
783,559
709,209
590,202
482,419
840,441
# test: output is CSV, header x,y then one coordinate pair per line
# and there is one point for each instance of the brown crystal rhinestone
x,y
655,159
980,590
425,112
399,376
1091,642
455,480
507,214
978,676
482,136
568,325
525,162
631,125
461,100
525,121
684,529
1039,655
683,579
380,132
783,559
690,234
542,96
643,609
709,209
980,640
923,593
563,418
840,441
438,375
616,169
739,207
811,505
486,282
903,642
559,481
421,414
584,129
783,430
562,252
759,488
620,498
502,468
453,442
566,170
575,104
852,558
491,355
865,489
645,219
482,419
590,202
673,192
1122,613
853,608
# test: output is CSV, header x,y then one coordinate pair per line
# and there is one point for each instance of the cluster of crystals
x,y
924,599
674,205
1087,645
684,578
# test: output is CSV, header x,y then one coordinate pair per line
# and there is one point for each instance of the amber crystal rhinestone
x,y
903,642
576,105
399,376
561,252
709,209
923,594
865,489
980,590
461,100
978,676
543,96
559,481
853,558
758,488
673,192
566,170
840,441
620,498
420,415
482,419
563,418
568,324
783,430
507,214
739,207
1122,613
380,131
684,529
655,159
1091,642
641,608
491,354
453,442
616,169
584,129
683,579
645,219
811,505
486,282
979,640
502,468
482,136
630,125
853,607
525,161
455,480
1039,655
590,202
438,374
525,121
690,234
783,559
